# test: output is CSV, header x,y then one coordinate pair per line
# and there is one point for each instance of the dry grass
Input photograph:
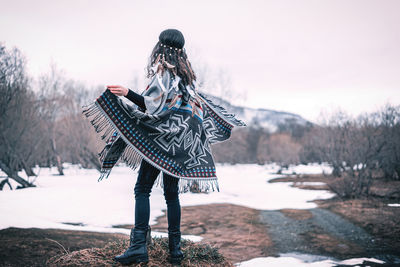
x,y
300,178
195,255
297,214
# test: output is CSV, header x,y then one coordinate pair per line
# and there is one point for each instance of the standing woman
x,y
167,132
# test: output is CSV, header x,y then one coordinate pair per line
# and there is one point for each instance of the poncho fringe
x,y
222,112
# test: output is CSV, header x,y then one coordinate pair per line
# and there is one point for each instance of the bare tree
x,y
359,150
280,148
389,158
52,100
20,137
77,140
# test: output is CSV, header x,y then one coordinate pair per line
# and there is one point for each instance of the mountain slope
x,y
269,119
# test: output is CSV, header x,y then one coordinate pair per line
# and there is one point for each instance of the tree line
x,y
40,121
359,150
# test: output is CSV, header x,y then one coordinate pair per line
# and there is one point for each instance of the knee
x,y
171,197
142,190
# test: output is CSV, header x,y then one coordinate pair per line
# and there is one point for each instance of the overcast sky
x,y
297,56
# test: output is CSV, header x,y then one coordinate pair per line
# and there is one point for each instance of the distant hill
x,y
271,120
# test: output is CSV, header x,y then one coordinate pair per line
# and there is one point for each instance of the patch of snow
x,y
361,260
193,238
304,257
312,168
77,197
394,205
300,260
282,261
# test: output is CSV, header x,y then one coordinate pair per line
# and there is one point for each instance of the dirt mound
x,y
196,254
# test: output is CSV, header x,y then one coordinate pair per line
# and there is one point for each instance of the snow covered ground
x,y
247,185
78,198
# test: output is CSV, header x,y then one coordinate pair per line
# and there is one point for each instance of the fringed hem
x,y
104,173
132,157
190,185
101,123
229,117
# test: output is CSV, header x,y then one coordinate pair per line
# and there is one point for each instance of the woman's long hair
x,y
169,51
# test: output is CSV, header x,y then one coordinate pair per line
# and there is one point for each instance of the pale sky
x,y
297,56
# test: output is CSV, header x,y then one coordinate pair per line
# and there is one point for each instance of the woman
x,y
168,132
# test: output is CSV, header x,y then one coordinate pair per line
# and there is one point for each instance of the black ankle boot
x,y
137,251
174,242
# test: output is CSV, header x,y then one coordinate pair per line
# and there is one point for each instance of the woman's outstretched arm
x,y
128,93
136,98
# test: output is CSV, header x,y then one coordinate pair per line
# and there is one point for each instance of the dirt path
x,y
324,233
316,231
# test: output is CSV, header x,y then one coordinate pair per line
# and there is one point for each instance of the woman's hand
x,y
118,90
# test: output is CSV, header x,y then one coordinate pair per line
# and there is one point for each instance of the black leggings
x,y
147,176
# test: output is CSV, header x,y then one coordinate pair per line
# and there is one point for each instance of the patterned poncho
x,y
173,134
